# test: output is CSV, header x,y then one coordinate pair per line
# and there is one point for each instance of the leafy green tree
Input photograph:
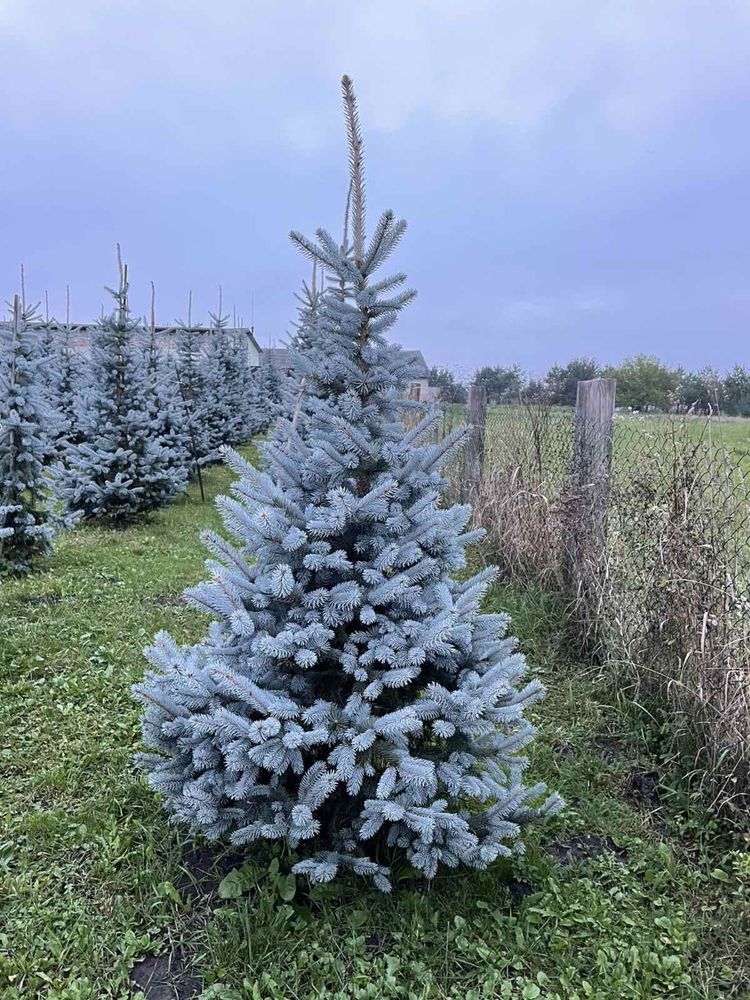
x,y
451,391
535,391
503,385
700,391
645,383
736,392
562,380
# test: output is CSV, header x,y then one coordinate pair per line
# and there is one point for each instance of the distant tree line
x,y
643,383
451,390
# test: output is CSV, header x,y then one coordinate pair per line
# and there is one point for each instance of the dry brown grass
x,y
672,600
666,601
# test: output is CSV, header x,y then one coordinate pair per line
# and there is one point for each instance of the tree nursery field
x,y
629,892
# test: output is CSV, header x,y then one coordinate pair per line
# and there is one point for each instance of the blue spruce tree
x,y
309,301
121,468
224,414
46,344
303,386
166,408
193,391
349,698
28,524
276,391
256,415
241,390
63,383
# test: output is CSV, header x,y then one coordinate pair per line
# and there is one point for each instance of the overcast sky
x,y
574,172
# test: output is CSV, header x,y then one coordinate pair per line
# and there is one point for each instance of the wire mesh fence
x,y
662,585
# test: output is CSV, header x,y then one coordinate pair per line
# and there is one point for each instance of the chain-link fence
x,y
651,548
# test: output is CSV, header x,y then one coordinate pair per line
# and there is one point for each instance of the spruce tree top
x,y
349,697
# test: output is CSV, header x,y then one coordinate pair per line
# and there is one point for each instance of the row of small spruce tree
x,y
118,428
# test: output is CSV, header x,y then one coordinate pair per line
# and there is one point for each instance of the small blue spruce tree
x,y
121,468
28,523
192,388
224,400
349,698
256,413
165,405
63,382
242,391
303,386
274,392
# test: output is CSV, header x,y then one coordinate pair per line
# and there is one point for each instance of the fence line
x,y
642,522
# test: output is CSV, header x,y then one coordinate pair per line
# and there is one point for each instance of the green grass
x,y
93,879
645,446
729,433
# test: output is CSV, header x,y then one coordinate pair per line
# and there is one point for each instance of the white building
x,y
166,336
419,384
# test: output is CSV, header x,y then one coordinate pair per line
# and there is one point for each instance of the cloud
x,y
571,170
545,311
510,64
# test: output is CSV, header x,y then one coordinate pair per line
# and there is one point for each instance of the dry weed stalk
x,y
672,595
666,602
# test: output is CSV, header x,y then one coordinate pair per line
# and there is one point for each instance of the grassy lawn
x,y
513,436
729,433
631,892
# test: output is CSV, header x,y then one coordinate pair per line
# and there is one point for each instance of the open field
x,y
729,433
629,893
732,433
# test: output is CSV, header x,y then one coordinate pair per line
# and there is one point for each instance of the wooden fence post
x,y
474,451
593,439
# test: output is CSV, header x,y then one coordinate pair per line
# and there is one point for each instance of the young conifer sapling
x,y
349,697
